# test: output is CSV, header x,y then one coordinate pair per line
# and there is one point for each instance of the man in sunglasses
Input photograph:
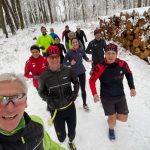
x,y
18,130
55,88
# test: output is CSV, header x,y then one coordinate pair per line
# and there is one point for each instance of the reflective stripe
x,y
58,86
53,117
22,139
37,144
55,112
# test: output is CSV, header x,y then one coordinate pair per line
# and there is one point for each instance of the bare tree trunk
x,y
20,14
41,10
44,11
2,20
31,15
66,18
69,16
13,4
83,12
146,3
139,3
106,7
36,14
93,9
26,20
134,4
12,14
124,4
50,11
8,17
130,5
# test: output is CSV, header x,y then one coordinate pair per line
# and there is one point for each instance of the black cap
x,y
34,47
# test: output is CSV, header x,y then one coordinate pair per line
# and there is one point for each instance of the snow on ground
x,y
92,129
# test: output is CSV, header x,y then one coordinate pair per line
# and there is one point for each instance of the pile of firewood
x,y
131,30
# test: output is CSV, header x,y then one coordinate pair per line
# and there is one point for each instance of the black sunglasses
x,y
5,100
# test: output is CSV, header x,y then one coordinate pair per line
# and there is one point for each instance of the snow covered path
x,y
91,126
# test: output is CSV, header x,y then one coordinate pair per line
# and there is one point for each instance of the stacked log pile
x,y
131,30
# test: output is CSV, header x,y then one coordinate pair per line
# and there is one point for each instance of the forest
x,y
20,14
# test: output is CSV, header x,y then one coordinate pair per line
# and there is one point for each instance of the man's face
x,y
51,30
78,29
12,112
35,53
54,62
67,29
110,56
98,36
43,30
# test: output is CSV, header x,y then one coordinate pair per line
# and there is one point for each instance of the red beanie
x,y
97,31
53,51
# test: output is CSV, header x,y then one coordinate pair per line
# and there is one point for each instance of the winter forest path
x,y
92,130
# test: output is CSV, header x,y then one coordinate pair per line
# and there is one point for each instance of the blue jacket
x,y
77,55
54,35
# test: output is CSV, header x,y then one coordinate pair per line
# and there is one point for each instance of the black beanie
x,y
111,47
34,47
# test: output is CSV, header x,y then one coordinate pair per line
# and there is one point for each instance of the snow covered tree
x,y
2,21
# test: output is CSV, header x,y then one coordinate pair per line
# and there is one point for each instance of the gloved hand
x,y
73,96
36,76
35,38
42,47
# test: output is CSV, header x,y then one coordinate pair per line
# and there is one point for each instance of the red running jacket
x,y
35,67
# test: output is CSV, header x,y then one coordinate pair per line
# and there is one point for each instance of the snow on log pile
x,y
131,29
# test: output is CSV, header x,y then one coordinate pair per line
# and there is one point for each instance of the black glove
x,y
73,96
42,47
34,38
52,103
36,76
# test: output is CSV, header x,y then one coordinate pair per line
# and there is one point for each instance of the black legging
x,y
63,117
82,81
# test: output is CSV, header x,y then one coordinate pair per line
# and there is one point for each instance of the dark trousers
x,y
83,44
67,45
63,117
82,81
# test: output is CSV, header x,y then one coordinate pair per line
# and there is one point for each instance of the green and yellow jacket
x,y
29,135
45,41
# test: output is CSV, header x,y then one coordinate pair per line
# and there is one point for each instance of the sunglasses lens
x,y
1,98
6,99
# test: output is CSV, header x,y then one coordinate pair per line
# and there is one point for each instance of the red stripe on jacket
x,y
35,67
98,70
